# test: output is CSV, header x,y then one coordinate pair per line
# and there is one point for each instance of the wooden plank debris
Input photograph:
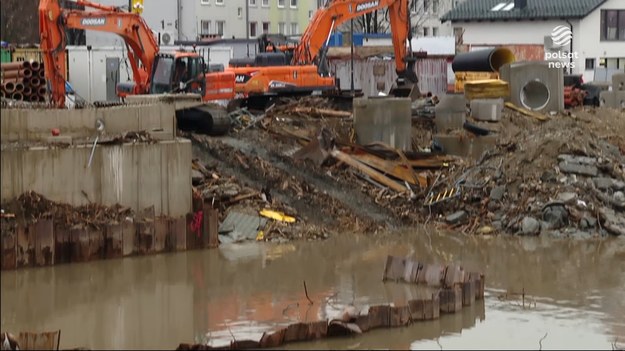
x,y
526,112
486,89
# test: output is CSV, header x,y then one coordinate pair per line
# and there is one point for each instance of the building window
x,y
205,27
613,25
220,28
252,2
294,29
435,4
590,64
219,2
426,31
434,31
265,3
281,3
253,29
294,3
265,27
282,28
240,12
205,2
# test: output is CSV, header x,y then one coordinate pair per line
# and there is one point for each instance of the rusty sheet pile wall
x,y
455,289
50,241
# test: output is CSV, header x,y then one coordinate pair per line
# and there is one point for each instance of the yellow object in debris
x,y
278,216
260,236
486,230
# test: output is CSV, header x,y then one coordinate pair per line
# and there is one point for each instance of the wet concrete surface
x,y
574,294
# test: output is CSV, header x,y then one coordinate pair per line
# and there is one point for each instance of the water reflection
x,y
244,290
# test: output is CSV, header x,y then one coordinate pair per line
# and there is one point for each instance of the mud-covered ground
x,y
531,183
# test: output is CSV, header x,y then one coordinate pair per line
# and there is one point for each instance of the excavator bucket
x,y
410,90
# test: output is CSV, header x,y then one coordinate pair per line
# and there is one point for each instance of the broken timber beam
x,y
375,175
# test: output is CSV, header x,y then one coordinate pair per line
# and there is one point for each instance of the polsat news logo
x,y
561,37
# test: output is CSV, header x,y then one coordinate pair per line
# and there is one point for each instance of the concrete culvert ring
x,y
535,95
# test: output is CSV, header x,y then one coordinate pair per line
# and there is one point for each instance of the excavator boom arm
x,y
54,20
337,12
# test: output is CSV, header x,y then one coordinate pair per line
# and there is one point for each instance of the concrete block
x,y
618,82
383,119
487,109
534,85
460,145
450,112
607,99
619,99
35,125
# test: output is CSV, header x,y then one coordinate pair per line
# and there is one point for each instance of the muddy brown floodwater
x,y
574,294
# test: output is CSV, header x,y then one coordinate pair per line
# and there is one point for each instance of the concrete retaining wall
x,y
35,125
133,175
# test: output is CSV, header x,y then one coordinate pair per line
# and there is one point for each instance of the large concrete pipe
x,y
27,73
27,91
42,74
12,66
482,60
33,98
19,87
42,91
35,82
17,96
534,85
27,64
35,65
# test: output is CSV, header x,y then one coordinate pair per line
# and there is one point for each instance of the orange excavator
x,y
153,72
302,69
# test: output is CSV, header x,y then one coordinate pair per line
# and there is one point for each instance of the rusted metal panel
x,y
39,341
394,269
194,238
416,308
432,275
96,243
44,242
271,340
210,237
379,316
454,275
244,345
25,246
63,247
362,321
9,248
468,293
79,239
161,228
451,299
432,74
296,332
180,233
114,241
411,271
145,236
317,330
400,316
129,238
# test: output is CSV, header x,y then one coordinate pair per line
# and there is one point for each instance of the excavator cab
x,y
178,74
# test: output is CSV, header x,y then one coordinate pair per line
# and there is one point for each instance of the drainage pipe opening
x,y
535,95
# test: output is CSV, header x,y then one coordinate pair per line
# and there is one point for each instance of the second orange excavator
x,y
154,73
302,69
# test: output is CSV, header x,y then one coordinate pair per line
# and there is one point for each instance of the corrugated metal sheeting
x,y
375,75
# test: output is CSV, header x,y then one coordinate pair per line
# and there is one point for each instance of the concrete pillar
x,y
383,119
489,110
450,112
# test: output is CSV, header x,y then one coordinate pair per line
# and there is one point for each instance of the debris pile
x,y
560,175
31,206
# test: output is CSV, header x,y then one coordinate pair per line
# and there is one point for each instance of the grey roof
x,y
480,10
